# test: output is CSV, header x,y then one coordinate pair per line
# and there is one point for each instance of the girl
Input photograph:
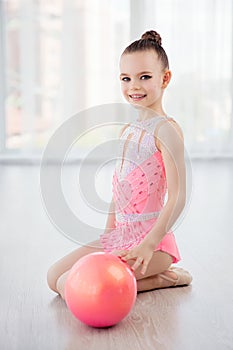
x,y
138,227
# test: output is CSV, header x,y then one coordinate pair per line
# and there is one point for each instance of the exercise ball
x,y
100,289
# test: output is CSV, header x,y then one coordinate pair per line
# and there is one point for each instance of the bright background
x,y
60,57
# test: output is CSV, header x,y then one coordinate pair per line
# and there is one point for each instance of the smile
x,y
137,97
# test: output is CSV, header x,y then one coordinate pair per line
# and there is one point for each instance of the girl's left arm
x,y
171,145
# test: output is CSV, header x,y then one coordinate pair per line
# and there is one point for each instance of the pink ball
x,y
100,289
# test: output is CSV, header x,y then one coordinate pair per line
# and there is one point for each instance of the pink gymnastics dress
x,y
139,190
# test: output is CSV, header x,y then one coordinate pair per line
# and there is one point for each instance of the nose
x,y
134,84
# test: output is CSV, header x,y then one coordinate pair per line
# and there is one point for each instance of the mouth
x,y
137,97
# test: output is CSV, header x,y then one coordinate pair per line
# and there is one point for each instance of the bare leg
x,y
160,262
58,272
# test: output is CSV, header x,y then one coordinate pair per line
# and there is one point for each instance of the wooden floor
x,y
187,318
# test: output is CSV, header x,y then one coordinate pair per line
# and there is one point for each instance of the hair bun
x,y
153,36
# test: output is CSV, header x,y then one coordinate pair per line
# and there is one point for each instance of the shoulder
x,y
168,132
123,129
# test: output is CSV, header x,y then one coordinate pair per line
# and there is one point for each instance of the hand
x,y
142,255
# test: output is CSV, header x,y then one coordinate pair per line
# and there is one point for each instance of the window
x,y
62,57
59,58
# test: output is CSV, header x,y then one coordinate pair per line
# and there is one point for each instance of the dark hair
x,y
150,40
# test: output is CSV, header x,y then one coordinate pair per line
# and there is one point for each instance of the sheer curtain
x,y
61,57
197,36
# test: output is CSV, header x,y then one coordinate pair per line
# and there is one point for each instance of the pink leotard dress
x,y
139,189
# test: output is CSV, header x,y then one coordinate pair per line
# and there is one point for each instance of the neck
x,y
146,113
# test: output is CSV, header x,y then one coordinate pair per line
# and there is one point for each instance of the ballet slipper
x,y
183,277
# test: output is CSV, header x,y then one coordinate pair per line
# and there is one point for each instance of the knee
x,y
52,278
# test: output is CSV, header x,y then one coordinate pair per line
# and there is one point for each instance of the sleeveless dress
x,y
139,189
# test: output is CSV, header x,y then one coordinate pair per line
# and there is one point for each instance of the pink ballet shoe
x,y
183,277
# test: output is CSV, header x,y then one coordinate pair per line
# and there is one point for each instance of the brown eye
x,y
146,77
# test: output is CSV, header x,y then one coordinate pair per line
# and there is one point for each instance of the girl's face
x,y
143,79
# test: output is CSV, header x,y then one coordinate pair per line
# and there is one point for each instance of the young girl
x,y
138,227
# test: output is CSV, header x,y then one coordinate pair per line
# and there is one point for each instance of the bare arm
x,y
110,223
172,148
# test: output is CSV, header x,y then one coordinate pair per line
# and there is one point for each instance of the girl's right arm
x,y
110,224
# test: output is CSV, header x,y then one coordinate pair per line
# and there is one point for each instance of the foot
x,y
175,276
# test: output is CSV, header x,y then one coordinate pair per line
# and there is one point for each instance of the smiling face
x,y
143,79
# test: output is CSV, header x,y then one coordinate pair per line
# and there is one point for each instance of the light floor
x,y
187,318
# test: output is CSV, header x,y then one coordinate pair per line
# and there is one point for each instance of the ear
x,y
166,78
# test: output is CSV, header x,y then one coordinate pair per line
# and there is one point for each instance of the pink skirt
x,y
128,235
